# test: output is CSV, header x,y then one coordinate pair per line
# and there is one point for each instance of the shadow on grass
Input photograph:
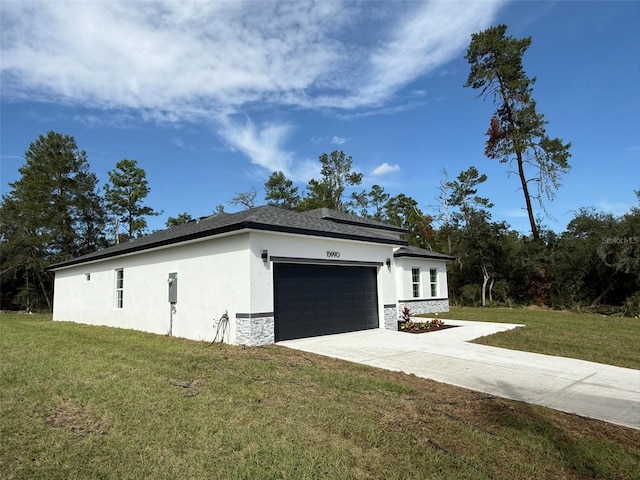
x,y
576,442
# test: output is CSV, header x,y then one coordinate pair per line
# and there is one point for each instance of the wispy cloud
x,y
615,208
168,61
338,140
384,169
262,144
515,213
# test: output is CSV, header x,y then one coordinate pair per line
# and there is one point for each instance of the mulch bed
x,y
431,329
417,328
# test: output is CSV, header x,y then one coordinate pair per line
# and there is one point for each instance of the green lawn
x,y
82,402
597,338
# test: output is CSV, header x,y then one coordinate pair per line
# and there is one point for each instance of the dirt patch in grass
x,y
76,419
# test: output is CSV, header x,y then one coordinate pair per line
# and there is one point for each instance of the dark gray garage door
x,y
313,300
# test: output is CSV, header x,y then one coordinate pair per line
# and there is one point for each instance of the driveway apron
x,y
575,386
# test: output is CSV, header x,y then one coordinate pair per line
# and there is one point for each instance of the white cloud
x,y
170,61
515,213
615,208
190,58
263,145
338,140
384,169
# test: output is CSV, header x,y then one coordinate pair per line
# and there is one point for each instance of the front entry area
x,y
313,300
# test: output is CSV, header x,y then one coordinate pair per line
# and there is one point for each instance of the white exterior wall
x,y
404,265
425,302
228,274
212,277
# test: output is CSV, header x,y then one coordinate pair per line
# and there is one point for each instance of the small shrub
x,y
632,305
470,295
411,326
501,291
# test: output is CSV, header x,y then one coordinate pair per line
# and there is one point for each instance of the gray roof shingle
x,y
416,252
267,218
349,219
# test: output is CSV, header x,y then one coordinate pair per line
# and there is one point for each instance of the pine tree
x,y
516,131
124,196
52,213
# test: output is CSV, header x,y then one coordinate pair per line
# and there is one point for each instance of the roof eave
x,y
218,231
446,258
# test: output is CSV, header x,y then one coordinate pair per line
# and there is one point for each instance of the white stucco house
x,y
278,274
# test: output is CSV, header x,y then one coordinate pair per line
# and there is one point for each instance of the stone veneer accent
x,y
391,317
435,305
255,329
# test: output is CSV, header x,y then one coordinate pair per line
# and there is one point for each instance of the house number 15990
x,y
333,254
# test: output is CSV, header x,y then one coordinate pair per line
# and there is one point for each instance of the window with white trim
x,y
433,280
415,282
119,288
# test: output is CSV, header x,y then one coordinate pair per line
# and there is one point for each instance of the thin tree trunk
x,y
599,298
491,290
45,293
518,150
527,198
485,279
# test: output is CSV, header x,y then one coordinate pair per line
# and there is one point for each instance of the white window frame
x,y
433,281
415,282
119,288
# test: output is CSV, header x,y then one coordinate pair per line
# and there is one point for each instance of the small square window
x,y
87,277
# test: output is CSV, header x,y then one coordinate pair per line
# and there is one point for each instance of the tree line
x,y
55,211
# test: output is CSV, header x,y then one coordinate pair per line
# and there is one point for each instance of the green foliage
x,y
464,195
328,191
476,242
280,192
469,294
632,305
403,211
52,213
124,197
517,131
179,220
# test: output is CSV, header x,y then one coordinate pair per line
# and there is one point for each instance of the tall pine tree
x,y
125,195
517,131
52,213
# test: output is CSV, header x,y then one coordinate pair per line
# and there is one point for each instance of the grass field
x,y
83,402
592,337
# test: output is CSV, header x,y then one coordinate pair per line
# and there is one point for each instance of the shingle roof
x,y
411,251
349,219
265,218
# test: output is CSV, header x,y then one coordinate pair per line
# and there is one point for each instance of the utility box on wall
x,y
173,287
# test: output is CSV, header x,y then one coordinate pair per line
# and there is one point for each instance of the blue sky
x,y
211,97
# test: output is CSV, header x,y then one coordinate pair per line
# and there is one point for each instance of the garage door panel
x,y
313,300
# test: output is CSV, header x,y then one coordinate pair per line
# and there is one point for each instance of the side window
x,y
433,280
119,288
415,282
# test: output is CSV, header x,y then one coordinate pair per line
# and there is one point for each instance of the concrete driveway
x,y
585,388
